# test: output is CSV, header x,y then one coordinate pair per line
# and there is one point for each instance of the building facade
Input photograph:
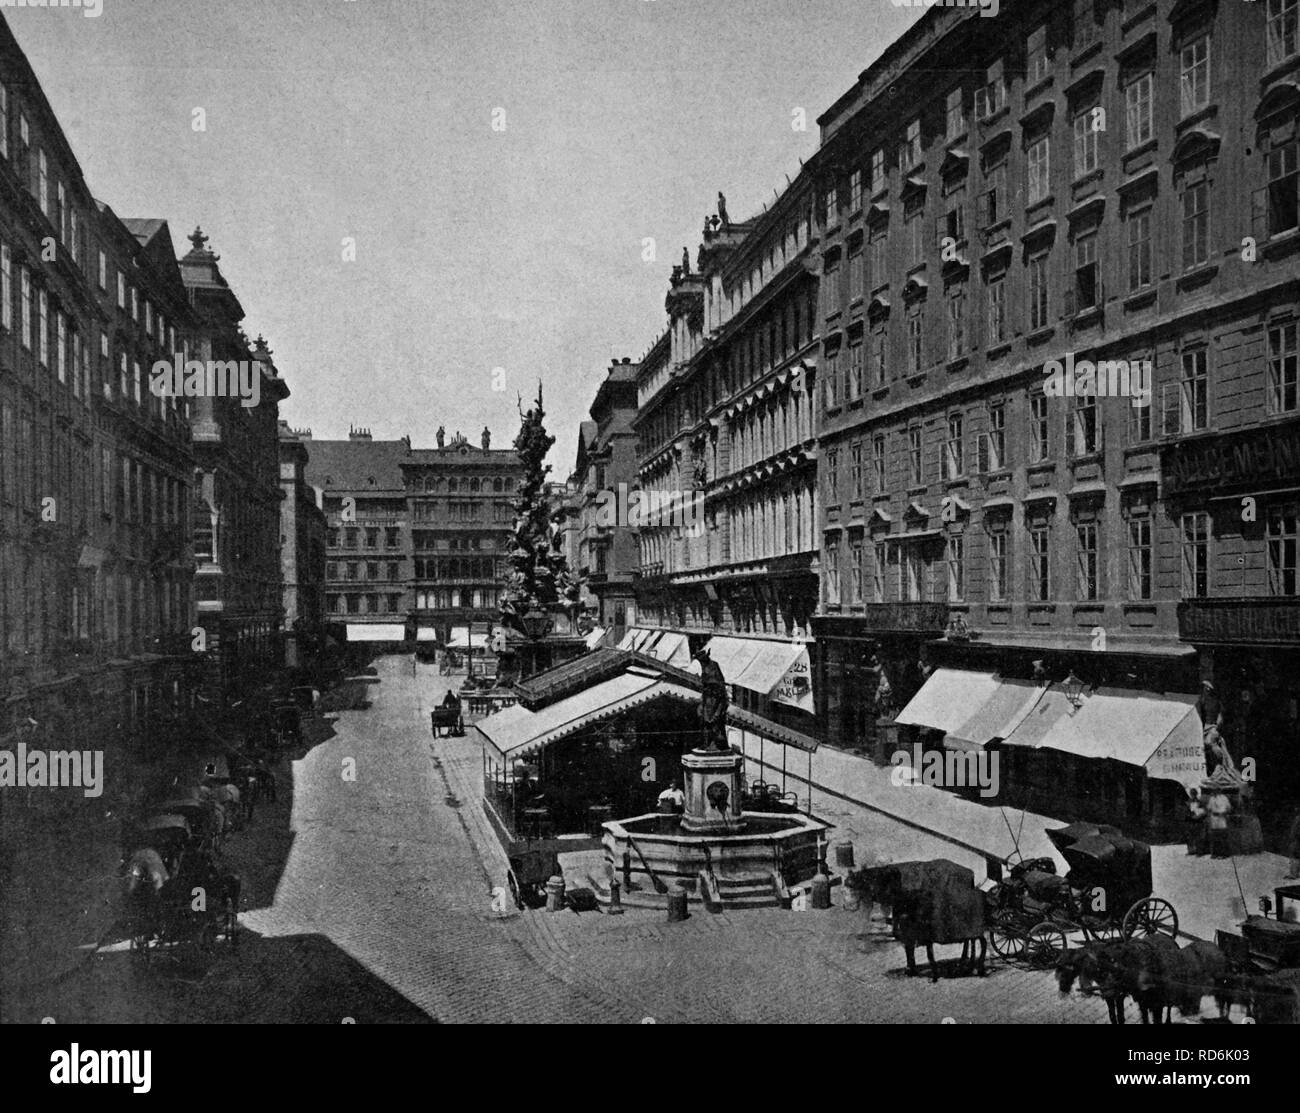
x,y
604,480
1097,191
414,534
235,513
727,431
302,554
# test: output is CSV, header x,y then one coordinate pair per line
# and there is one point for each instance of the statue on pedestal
x,y
713,703
442,436
487,438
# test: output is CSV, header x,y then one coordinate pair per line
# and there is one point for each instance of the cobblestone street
x,y
371,899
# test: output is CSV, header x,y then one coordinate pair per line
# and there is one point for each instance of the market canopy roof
x,y
515,731
947,698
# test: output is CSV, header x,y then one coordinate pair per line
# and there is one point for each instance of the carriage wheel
x,y
1045,945
1007,939
1150,916
1103,931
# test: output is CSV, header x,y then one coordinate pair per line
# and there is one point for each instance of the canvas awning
x,y
1159,733
515,731
999,716
426,634
593,639
672,649
945,700
1035,727
376,632
463,639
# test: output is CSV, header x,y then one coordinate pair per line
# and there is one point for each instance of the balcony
x,y
1248,620
910,618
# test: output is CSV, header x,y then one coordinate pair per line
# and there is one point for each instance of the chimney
x,y
358,434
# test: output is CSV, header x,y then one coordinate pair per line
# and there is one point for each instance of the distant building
x,y
302,553
415,534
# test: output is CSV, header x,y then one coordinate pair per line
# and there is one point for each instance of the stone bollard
x,y
820,894
844,854
555,894
615,899
676,906
852,899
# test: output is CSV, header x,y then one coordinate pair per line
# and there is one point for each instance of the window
x,y
1139,249
1283,186
879,558
855,469
1195,204
915,574
914,341
1036,59
1039,162
1186,402
954,455
1083,411
909,154
878,462
831,282
956,322
833,475
103,271
855,370
6,287
878,353
954,222
1282,538
956,560
121,290
876,260
1086,31
956,118
25,295
996,292
915,458
999,565
4,121
832,379
1196,555
1087,587
1039,429
855,571
43,327
61,345
1038,292
1087,288
1282,368
992,95
1139,557
833,570
995,440
1139,417
1137,111
855,190
1086,134
43,182
912,229
135,304
877,173
1281,31
831,207
1040,563
1194,66
855,270
994,204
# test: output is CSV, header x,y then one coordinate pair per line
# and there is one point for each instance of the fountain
x,y
721,856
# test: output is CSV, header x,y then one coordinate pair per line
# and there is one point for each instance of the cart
x,y
527,877
1106,895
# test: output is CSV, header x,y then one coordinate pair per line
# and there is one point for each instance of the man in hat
x,y
673,799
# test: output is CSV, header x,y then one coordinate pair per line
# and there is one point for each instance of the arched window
x,y
497,486
474,486
451,484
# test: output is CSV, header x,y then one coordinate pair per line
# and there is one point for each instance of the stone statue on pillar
x,y
713,703
442,436
487,438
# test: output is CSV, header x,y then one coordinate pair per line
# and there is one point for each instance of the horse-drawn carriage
x,y
1106,895
933,902
527,877
1265,960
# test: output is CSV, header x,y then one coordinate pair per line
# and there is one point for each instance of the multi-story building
x,y
414,534
728,452
236,501
1104,187
604,479
302,553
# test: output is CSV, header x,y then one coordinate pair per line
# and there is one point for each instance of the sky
x,y
484,257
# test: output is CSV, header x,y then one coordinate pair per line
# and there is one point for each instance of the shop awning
x,y
376,632
769,666
945,700
733,655
426,634
1010,703
593,639
672,649
628,638
516,731
463,639
1035,727
1159,733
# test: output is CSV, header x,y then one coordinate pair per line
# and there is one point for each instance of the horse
x,y
1201,970
1142,968
1084,965
143,885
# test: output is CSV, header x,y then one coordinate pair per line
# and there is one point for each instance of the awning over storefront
x,y
1161,734
776,669
1035,727
947,699
426,634
376,632
463,639
593,639
1000,715
671,648
516,731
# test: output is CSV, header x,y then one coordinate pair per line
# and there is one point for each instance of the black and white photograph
x,y
646,512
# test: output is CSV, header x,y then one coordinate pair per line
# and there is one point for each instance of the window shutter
x,y
1259,215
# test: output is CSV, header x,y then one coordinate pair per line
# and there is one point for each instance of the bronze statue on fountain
x,y
713,703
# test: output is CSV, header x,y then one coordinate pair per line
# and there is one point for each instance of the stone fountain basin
x,y
745,863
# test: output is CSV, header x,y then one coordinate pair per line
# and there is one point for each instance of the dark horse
x,y
1147,968
932,902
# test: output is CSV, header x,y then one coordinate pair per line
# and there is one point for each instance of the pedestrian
x,y
1293,847
673,799
1217,808
1196,807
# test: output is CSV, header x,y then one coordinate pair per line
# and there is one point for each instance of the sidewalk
x,y
865,806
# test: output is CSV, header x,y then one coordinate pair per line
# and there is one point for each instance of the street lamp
x,y
1073,688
